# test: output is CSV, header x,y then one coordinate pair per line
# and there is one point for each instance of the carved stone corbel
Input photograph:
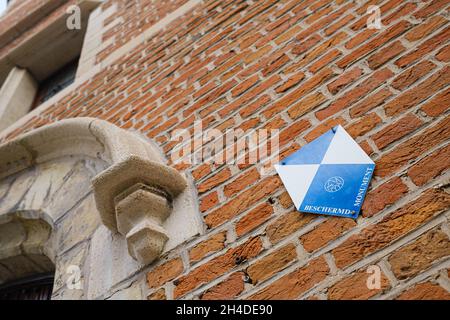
x,y
134,197
134,194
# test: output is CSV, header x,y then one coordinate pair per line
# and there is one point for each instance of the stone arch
x,y
105,192
25,248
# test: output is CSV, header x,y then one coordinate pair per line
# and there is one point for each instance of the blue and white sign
x,y
328,176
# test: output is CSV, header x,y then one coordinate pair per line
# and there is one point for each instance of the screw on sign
x,y
315,175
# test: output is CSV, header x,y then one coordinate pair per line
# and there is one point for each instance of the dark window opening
x,y
37,287
55,83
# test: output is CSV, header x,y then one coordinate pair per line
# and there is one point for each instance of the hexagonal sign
x,y
328,176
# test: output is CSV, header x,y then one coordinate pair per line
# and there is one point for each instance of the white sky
x,y
2,6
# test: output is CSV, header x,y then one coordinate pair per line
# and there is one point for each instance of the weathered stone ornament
x,y
328,176
134,197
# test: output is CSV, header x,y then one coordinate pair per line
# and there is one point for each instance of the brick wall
x,y
300,67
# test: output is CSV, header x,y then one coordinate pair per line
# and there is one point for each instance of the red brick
x,y
291,82
325,232
416,95
411,75
384,55
412,148
353,95
254,219
243,201
419,255
292,285
425,291
227,289
381,197
371,102
424,48
396,131
293,131
305,105
392,227
354,287
432,7
287,224
213,244
209,201
324,127
438,104
363,126
218,266
271,264
424,29
306,44
243,181
375,43
158,295
214,181
164,273
430,167
344,80
244,86
444,54
299,92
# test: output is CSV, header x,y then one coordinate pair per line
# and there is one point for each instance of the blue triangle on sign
x,y
329,176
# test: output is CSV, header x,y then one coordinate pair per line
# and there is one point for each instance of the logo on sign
x,y
334,184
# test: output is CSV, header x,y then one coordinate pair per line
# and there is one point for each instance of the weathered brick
x,y
243,201
344,80
353,95
425,291
438,104
271,264
396,131
392,227
243,181
287,224
292,285
293,130
227,289
412,148
381,197
254,219
158,295
355,287
444,54
418,256
164,273
299,92
384,55
306,44
424,48
430,8
285,200
324,127
430,167
217,266
371,102
215,180
413,74
424,29
306,104
209,201
325,232
364,125
213,244
291,82
375,43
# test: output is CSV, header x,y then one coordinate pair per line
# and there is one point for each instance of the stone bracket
x,y
134,198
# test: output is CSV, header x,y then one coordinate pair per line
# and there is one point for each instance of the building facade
x,y
126,168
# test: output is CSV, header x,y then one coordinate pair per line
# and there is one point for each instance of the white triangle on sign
x,y
344,150
297,179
